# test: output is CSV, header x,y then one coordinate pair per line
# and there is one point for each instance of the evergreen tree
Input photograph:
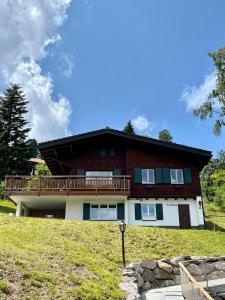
x,y
129,128
164,135
14,150
212,108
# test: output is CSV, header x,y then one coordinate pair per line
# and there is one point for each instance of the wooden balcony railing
x,y
67,184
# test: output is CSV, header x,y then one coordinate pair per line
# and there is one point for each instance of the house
x,y
109,175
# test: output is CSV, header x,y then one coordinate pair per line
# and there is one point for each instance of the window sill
x,y
152,220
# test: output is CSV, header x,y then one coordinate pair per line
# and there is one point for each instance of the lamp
x,y
122,227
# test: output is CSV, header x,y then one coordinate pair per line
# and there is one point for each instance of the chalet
x,y
108,175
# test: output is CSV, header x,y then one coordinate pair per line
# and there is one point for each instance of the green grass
x,y
57,259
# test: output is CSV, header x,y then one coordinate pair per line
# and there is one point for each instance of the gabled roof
x,y
136,138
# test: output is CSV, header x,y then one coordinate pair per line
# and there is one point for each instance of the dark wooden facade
x,y
110,150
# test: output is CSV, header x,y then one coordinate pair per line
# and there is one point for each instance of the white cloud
x,y
143,125
67,65
195,96
26,29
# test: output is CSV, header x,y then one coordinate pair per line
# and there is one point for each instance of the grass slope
x,y
57,259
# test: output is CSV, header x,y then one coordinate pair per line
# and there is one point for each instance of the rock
x,y
214,258
220,265
166,283
131,289
160,274
146,286
194,269
218,289
175,261
176,271
149,264
155,284
128,272
140,280
177,280
165,267
138,269
216,275
148,275
209,268
222,295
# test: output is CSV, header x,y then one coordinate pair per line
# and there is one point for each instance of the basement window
x,y
104,212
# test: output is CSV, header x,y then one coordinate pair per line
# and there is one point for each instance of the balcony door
x,y
98,178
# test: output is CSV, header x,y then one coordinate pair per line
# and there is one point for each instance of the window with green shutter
x,y
159,211
120,211
117,172
86,211
187,175
166,175
137,207
158,175
137,175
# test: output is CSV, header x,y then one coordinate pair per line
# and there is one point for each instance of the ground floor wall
x,y
72,208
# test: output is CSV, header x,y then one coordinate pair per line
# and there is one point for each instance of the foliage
x,y
129,128
15,151
42,170
220,197
218,179
2,190
215,106
4,286
54,259
208,186
164,135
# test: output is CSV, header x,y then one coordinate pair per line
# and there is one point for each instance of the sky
x,y
88,64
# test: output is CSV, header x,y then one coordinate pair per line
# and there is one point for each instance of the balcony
x,y
67,185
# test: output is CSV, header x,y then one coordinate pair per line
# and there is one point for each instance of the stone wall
x,y
142,276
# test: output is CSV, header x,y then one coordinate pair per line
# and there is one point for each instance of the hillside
x,y
57,259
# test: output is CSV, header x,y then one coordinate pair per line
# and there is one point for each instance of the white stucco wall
x,y
170,212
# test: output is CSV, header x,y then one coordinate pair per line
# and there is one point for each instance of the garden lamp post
x,y
122,227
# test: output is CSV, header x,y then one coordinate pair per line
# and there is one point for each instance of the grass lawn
x,y
57,259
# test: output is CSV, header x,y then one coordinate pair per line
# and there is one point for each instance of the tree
x,y
42,170
164,135
215,106
129,128
15,151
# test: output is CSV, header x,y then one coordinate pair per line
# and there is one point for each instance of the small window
x,y
148,212
176,176
148,176
104,212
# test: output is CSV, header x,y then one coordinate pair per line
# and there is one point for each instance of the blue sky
x,y
118,60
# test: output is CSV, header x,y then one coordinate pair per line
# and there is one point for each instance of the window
x,y
176,176
98,177
104,212
148,176
148,212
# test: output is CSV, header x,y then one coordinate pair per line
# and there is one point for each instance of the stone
x,y
177,279
176,271
194,269
146,286
160,274
165,267
219,265
139,270
214,258
148,275
166,283
218,289
216,275
209,268
128,272
140,280
149,264
222,295
131,289
175,261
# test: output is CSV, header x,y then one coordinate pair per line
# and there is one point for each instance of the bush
x,y
4,287
220,196
2,190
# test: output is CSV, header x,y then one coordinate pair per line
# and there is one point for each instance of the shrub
x,y
4,287
220,196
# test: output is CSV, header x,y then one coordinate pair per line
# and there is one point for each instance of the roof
x,y
121,134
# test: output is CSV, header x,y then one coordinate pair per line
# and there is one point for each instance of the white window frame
x,y
148,217
148,177
176,174
98,177
99,212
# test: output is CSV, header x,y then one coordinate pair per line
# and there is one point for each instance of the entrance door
x,y
184,216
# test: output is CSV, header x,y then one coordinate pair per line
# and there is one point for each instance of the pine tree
x,y
129,128
15,152
164,135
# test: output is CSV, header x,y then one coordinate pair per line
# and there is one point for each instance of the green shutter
x,y
137,175
138,215
102,152
112,152
117,172
158,175
80,172
159,211
187,176
86,211
166,175
120,211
